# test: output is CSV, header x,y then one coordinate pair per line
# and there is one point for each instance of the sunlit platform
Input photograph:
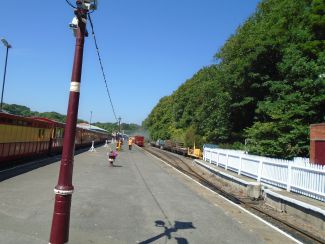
x,y
138,200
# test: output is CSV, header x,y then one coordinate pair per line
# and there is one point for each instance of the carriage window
x,y
41,133
59,132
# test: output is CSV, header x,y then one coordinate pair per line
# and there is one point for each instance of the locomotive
x,y
139,140
28,137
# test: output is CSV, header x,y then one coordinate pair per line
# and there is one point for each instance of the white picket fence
x,y
297,176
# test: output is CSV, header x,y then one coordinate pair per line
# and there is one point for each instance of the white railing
x,y
297,176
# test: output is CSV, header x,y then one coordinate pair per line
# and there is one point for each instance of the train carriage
x,y
159,143
22,137
178,147
169,145
56,140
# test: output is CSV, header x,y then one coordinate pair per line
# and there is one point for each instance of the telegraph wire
x,y
101,65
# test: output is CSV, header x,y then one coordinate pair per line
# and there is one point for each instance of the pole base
x,y
61,219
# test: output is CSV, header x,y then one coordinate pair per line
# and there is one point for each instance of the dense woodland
x,y
267,86
25,111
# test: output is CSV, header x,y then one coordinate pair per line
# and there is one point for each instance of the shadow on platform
x,y
167,231
116,166
19,169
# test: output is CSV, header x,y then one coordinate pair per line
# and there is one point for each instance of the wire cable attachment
x,y
101,65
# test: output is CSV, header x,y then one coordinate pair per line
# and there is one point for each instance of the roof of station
x,y
90,127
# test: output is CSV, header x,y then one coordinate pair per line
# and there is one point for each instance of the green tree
x,y
267,85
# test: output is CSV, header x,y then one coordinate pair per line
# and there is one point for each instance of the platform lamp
x,y
7,45
91,115
64,188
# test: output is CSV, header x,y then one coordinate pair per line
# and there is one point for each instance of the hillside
x,y
266,87
25,111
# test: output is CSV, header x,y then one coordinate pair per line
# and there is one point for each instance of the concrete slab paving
x,y
137,201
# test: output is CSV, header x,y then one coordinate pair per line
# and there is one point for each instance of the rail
x,y
297,176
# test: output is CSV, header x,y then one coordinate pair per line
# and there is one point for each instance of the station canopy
x,y
90,127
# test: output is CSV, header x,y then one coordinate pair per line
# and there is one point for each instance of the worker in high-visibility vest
x,y
130,143
118,145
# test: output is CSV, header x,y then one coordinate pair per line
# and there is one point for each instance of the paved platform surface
x,y
140,200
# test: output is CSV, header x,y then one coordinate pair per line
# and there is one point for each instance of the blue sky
x,y
149,48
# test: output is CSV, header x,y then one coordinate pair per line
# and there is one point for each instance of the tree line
x,y
27,112
266,87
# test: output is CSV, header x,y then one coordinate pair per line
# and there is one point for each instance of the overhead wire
x,y
99,58
71,5
101,66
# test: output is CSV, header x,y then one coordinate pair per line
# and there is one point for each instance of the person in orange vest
x,y
118,145
130,143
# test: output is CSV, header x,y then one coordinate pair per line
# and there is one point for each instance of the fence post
x,y
260,169
218,159
226,168
289,176
240,164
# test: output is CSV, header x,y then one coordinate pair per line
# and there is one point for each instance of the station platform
x,y
303,208
139,200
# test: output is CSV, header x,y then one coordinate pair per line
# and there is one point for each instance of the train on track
x,y
177,147
139,140
24,138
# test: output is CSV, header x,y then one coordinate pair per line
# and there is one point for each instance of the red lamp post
x,y
64,189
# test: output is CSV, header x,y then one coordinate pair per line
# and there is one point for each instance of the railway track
x,y
179,163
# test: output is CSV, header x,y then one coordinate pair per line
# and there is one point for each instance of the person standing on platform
x,y
130,143
111,157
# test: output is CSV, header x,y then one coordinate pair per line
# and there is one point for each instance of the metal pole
x,y
4,79
119,124
91,115
64,189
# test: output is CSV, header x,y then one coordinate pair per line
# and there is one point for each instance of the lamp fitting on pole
x,y
87,4
81,17
4,41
